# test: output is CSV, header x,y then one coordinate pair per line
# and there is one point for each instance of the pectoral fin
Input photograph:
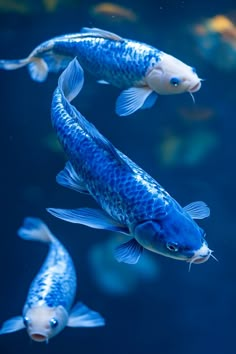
x,y
82,316
132,99
12,325
95,218
128,252
197,210
70,179
150,101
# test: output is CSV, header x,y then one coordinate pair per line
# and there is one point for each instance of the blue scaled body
x,y
55,283
47,309
117,61
131,201
140,70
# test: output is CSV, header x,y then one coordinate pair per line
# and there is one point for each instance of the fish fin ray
x,y
129,252
38,69
197,210
82,316
70,179
71,80
34,229
95,218
97,32
12,325
132,99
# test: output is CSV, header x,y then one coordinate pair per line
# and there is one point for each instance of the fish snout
x,y
201,256
195,87
201,259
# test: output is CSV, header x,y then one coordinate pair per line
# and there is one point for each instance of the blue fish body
x,y
55,283
132,201
122,63
47,309
140,70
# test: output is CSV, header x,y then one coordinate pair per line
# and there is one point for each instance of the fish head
x,y
171,76
181,239
43,322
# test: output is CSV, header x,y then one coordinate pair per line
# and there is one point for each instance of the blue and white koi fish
x,y
140,70
132,202
47,309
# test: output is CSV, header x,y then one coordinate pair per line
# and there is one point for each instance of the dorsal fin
x,y
97,32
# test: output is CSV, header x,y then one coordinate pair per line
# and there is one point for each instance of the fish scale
x,y
127,61
55,284
124,193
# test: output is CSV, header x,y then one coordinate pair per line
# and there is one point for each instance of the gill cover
x,y
147,233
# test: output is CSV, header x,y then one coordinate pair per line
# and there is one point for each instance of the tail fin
x,y
13,64
35,230
71,80
37,67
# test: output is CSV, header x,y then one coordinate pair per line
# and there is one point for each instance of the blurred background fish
x,y
191,140
216,41
108,11
188,150
28,6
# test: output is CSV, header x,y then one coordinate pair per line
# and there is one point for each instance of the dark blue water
x,y
181,312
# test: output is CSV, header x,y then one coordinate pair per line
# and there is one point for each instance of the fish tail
x,y
71,80
35,230
38,68
13,64
40,62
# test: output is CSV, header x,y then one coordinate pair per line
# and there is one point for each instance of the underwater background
x,y
157,306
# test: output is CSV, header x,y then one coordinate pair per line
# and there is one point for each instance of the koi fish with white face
x,y
47,309
131,201
140,70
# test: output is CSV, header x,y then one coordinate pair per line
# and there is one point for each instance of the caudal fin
x,y
35,230
38,68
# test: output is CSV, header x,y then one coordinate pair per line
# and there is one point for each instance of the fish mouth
x,y
201,256
196,87
200,259
38,337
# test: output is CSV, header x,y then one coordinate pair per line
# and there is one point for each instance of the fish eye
x,y
175,81
172,246
194,70
53,323
26,321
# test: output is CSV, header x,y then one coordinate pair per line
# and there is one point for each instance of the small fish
x,y
108,10
47,309
140,70
132,202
